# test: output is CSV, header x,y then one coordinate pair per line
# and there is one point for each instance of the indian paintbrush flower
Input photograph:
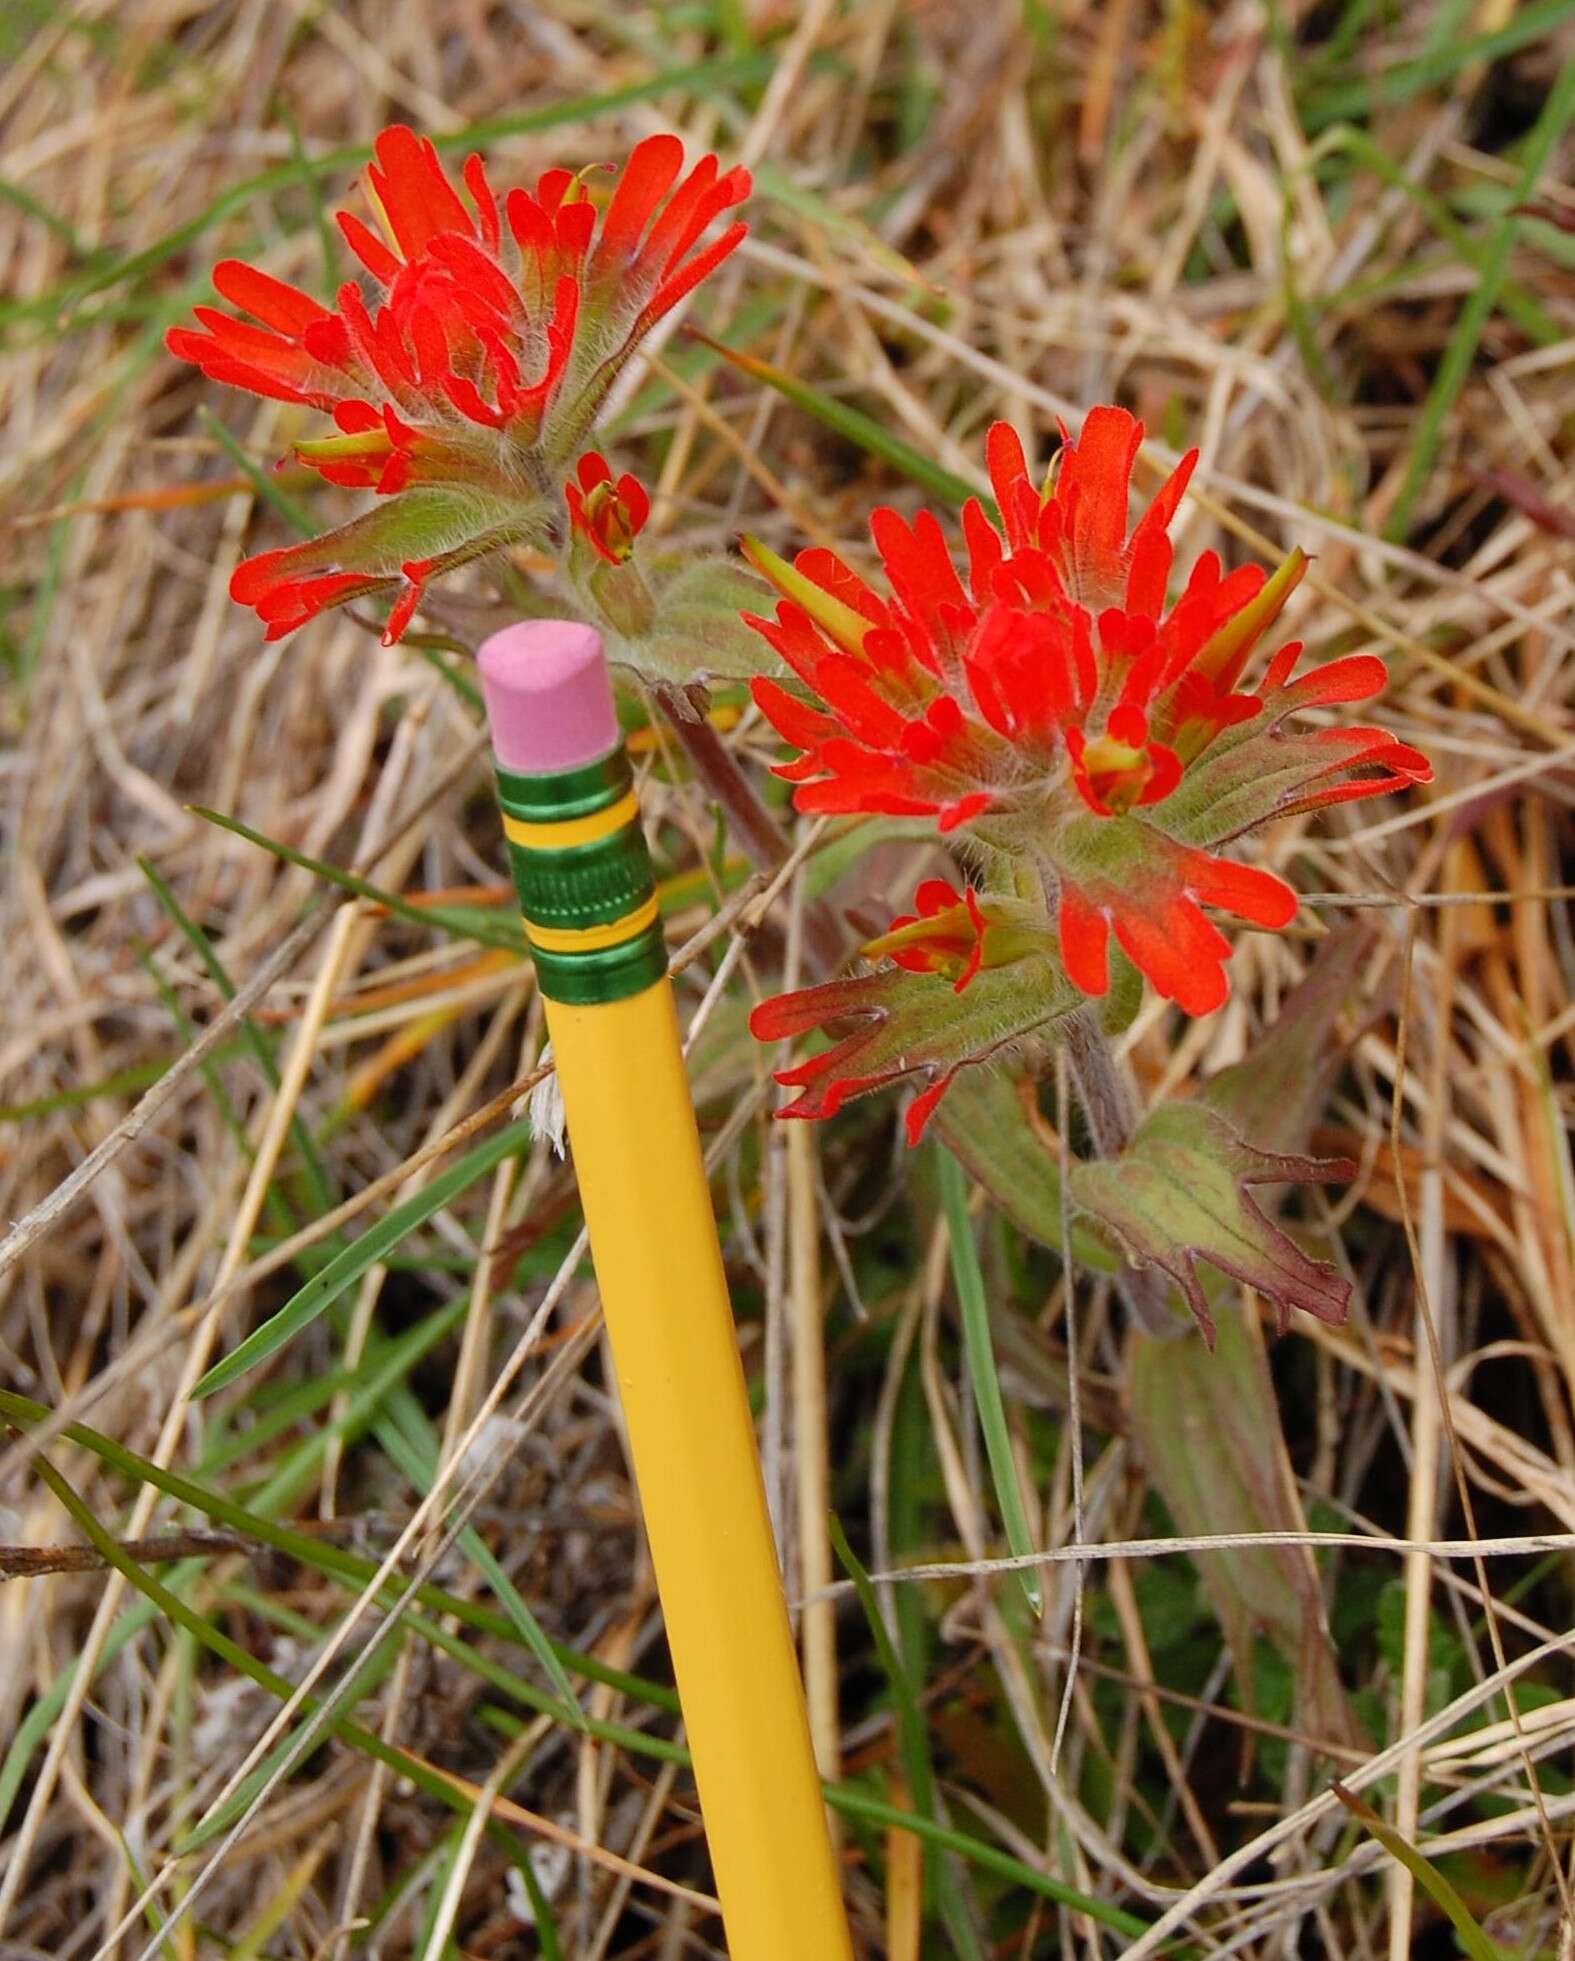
x,y
1055,713
471,380
956,933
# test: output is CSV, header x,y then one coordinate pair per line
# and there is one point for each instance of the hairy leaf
x,y
896,1023
1207,1426
1208,1430
1277,1092
1178,1194
677,622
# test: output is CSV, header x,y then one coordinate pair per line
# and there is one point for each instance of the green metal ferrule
x,y
583,875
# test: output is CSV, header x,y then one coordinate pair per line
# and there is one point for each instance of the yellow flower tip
x,y
1222,657
839,622
372,442
1118,773
380,214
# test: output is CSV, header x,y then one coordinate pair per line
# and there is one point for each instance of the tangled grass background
x,y
1333,244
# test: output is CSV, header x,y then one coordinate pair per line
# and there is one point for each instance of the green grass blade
x,y
913,1744
1354,100
416,1456
463,925
1473,317
320,1555
319,1185
123,1082
982,1370
854,423
1427,1876
263,482
1521,305
329,1282
150,1912
181,1613
362,1681
340,1562
35,208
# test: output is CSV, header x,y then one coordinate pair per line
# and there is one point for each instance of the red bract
x,y
1054,707
496,330
611,515
905,1021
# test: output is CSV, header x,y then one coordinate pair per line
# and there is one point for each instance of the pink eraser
x,y
549,701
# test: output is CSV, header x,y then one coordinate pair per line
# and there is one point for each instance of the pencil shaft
x,y
659,1268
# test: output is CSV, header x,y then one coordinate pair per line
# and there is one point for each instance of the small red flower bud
x,y
611,515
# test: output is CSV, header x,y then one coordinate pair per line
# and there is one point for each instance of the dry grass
x,y
964,211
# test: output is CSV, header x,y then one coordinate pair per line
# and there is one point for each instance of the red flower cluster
x,y
611,515
477,372
1060,712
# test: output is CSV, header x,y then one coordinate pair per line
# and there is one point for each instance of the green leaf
x,y
1178,1194
694,631
329,1282
1276,1094
1207,1428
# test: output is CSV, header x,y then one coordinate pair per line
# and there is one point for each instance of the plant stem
x,y
1112,1118
1107,1102
757,832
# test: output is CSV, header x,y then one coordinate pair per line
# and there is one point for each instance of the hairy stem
x,y
757,832
1107,1102
1112,1117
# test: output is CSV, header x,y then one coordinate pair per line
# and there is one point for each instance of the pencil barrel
x,y
586,892
691,1436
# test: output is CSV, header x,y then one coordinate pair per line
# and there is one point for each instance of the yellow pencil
x,y
585,888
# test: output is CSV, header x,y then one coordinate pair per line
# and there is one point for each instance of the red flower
x,y
826,1081
956,934
496,333
945,936
1057,708
611,515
